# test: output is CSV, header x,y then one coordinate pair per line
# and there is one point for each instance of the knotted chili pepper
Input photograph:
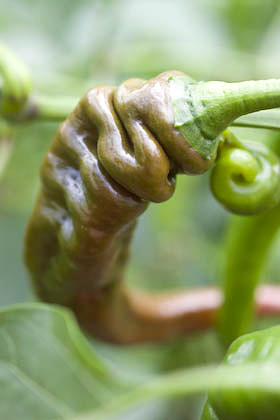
x,y
118,150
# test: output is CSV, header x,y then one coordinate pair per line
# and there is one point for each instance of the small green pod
x,y
254,404
246,180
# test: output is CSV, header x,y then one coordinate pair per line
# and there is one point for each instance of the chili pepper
x,y
260,347
119,149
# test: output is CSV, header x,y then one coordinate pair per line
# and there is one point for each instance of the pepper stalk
x,y
203,110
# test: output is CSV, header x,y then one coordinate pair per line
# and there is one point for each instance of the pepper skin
x,y
258,347
116,151
119,149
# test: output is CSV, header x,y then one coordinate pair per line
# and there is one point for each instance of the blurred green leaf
x,y
264,377
247,33
47,369
269,119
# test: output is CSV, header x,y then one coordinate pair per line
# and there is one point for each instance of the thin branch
x,y
46,108
57,109
16,84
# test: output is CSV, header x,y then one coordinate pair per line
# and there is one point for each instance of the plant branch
x,y
56,109
16,84
18,105
47,108
248,243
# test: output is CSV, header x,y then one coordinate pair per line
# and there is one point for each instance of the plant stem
x,y
53,109
56,109
16,83
248,244
44,108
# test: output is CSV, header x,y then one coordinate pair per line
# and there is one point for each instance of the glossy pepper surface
x,y
114,153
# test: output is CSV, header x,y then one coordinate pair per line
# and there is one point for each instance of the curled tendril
x,y
246,177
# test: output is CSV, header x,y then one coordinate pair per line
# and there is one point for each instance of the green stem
x,y
53,109
44,108
16,83
248,244
214,105
244,378
217,104
47,108
203,110
58,108
15,102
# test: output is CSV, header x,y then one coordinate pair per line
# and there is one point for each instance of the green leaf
x,y
247,377
269,119
47,369
48,372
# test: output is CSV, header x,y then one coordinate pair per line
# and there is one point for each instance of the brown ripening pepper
x,y
118,150
112,155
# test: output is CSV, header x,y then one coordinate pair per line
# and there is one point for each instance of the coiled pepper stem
x,y
246,176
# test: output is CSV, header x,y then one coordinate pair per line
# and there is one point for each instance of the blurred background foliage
x,y
71,46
